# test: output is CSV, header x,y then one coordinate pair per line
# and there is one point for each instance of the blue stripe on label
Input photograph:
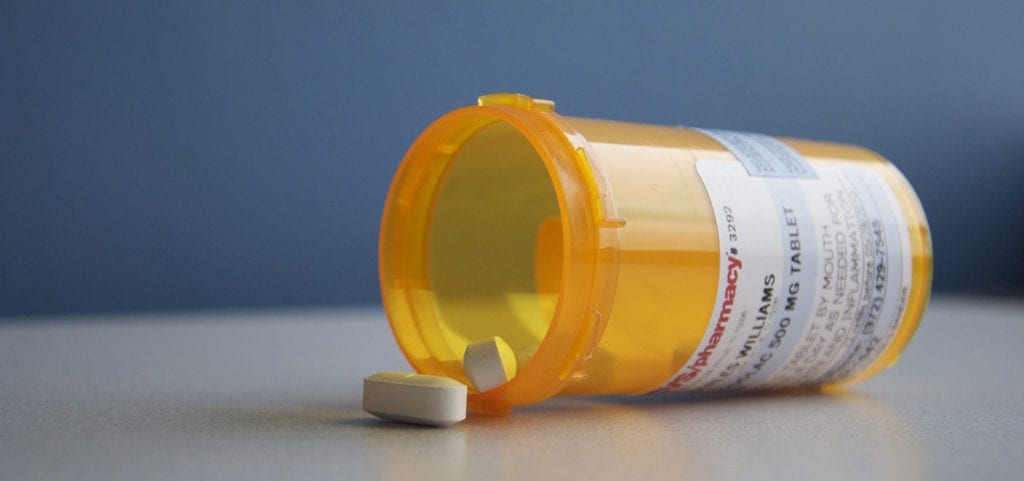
x,y
763,155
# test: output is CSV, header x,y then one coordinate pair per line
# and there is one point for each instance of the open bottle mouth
x,y
491,229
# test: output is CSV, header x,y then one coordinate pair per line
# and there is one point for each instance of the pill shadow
x,y
310,418
277,418
370,422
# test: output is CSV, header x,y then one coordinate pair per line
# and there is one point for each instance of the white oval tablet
x,y
415,398
489,363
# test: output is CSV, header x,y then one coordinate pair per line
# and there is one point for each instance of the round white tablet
x,y
489,363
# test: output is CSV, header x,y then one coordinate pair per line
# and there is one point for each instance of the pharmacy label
x,y
814,277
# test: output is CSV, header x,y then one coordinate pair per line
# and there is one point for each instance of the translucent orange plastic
x,y
590,246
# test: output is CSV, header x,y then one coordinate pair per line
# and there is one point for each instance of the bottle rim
x,y
589,245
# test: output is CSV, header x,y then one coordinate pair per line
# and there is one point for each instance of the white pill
x,y
415,398
489,363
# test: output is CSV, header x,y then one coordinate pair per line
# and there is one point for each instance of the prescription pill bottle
x,y
622,258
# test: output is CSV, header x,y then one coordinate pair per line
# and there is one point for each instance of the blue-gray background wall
x,y
195,154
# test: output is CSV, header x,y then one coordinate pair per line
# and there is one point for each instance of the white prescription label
x,y
814,278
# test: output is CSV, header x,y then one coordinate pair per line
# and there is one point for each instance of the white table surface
x,y
276,395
